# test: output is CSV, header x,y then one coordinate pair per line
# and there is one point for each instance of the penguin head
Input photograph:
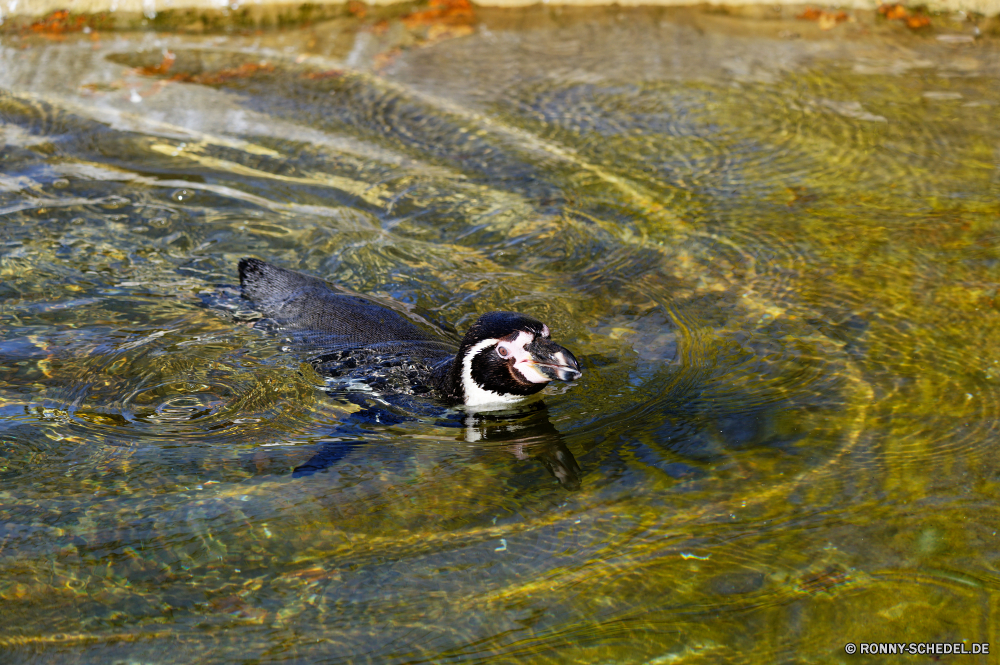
x,y
506,357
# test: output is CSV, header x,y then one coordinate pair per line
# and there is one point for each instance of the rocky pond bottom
x,y
776,256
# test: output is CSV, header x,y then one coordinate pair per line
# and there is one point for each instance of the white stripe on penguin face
x,y
475,395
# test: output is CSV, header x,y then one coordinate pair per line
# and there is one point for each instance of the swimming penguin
x,y
503,359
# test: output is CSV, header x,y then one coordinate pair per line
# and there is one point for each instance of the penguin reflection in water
x,y
504,359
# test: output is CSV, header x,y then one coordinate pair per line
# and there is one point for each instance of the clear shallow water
x,y
777,260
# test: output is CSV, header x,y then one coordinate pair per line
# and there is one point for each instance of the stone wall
x,y
150,8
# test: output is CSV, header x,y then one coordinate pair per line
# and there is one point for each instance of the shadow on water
x,y
523,434
774,258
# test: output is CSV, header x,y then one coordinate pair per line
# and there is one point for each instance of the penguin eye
x,y
502,351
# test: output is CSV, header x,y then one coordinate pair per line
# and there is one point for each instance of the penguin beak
x,y
553,360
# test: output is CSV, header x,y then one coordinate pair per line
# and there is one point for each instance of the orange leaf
x,y
385,58
439,32
160,69
357,8
826,20
57,23
219,76
452,12
893,12
328,74
829,20
917,21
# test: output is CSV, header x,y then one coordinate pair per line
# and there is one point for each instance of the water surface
x,y
776,258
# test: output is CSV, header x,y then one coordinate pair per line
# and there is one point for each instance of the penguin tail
x,y
251,269
269,286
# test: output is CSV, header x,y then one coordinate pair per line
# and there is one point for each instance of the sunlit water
x,y
776,259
